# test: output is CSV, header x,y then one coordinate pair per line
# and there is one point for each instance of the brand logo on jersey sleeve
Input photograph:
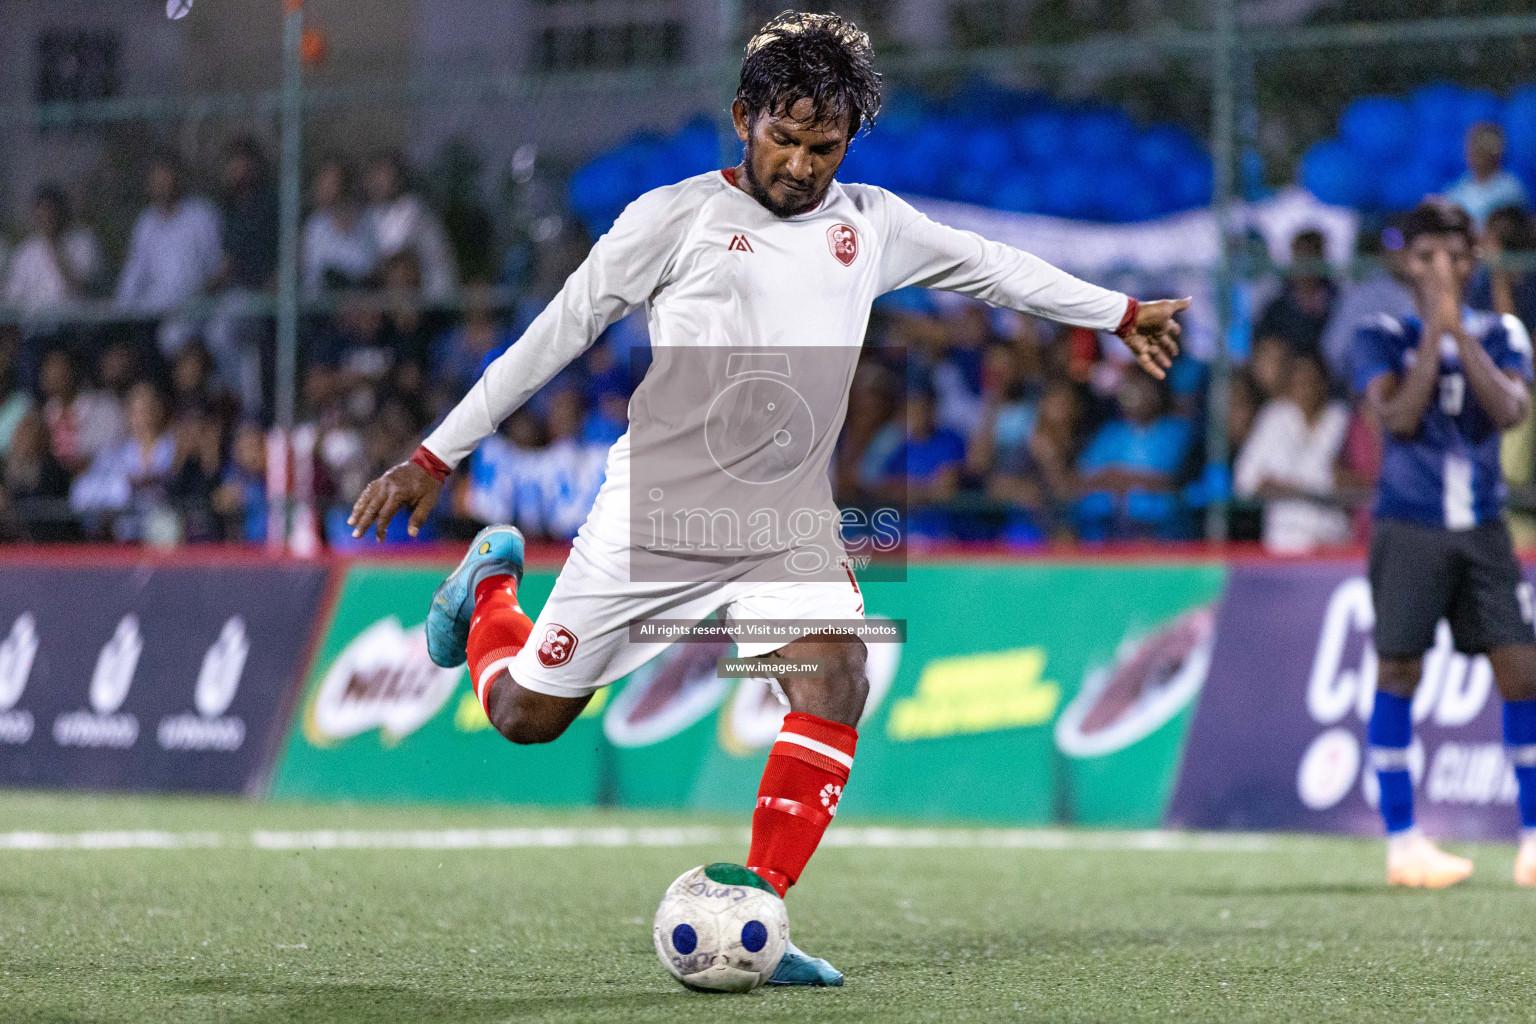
x,y
844,242
557,646
739,243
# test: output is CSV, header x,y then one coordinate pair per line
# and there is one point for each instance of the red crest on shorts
x,y
844,242
557,646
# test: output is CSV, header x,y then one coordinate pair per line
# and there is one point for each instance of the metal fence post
x,y
292,123
1223,152
728,71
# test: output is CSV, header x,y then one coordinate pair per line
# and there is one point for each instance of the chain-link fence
x,y
260,249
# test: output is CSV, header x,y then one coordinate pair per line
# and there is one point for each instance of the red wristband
x,y
435,467
1128,322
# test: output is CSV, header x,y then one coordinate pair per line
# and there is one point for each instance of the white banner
x,y
1167,257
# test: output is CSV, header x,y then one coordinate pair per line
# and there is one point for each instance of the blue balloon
x,y
1163,148
865,162
989,149
696,147
974,185
1520,127
1018,191
1066,190
1436,109
1124,193
1041,137
1377,127
1335,174
1406,184
1479,105
903,112
927,158
1191,184
600,190
1103,134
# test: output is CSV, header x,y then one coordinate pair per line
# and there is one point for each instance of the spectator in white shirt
x,y
1486,186
81,423
339,248
398,219
175,254
129,479
57,262
1291,462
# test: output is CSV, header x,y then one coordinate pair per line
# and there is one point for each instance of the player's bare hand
x,y
1444,289
405,486
1154,340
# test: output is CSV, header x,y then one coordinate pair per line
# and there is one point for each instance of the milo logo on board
x,y
382,680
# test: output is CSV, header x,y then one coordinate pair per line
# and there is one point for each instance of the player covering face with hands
x,y
1446,384
773,253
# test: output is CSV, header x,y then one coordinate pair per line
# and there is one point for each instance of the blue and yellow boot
x,y
496,551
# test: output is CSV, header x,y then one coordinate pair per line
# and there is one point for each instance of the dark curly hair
x,y
1437,216
820,57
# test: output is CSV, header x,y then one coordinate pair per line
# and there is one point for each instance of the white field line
x,y
577,838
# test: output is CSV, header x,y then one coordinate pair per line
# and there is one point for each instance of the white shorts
x,y
581,640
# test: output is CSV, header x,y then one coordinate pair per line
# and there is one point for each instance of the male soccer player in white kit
x,y
773,252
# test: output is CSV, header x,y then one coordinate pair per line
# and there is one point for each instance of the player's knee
x,y
846,674
516,723
1514,671
1399,676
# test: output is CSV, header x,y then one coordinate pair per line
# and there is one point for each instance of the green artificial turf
x,y
1294,929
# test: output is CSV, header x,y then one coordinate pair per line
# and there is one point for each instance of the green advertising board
x,y
379,721
1025,693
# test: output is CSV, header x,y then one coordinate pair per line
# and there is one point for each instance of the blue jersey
x,y
1447,474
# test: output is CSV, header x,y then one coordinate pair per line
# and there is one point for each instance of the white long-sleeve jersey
x,y
714,267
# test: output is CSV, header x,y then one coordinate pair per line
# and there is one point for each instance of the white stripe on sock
x,y
499,665
819,747
1389,759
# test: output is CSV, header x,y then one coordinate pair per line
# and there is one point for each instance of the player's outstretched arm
x,y
624,268
415,485
919,251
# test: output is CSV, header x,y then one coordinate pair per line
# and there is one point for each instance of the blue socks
x,y
1520,739
1391,731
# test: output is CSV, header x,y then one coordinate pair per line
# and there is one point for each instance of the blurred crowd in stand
x,y
151,423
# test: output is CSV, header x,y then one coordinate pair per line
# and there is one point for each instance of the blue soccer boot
x,y
799,968
496,551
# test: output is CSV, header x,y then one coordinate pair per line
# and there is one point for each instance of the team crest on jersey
x,y
844,242
557,646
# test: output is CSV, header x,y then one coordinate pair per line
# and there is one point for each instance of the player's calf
x,y
1514,670
840,692
526,716
497,629
810,762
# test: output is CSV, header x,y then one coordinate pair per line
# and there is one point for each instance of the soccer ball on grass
x,y
721,928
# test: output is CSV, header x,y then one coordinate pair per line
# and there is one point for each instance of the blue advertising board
x,y
150,677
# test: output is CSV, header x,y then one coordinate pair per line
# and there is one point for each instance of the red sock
x,y
497,632
803,782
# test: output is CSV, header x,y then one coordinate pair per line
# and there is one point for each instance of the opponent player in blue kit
x,y
1446,384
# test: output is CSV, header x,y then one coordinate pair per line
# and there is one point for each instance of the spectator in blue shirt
x,y
1502,289
1486,186
925,470
1127,474
241,498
